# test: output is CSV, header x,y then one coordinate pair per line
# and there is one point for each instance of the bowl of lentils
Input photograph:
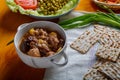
x,y
42,9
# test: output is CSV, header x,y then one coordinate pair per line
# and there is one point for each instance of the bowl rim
x,y
103,3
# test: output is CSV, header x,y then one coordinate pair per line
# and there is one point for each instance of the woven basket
x,y
111,6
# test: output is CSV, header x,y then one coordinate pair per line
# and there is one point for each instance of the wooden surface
x,y
11,67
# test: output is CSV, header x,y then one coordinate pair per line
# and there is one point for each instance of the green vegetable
x,y
100,17
49,7
108,21
79,18
117,18
106,15
79,24
112,14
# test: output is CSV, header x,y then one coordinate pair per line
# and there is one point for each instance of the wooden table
x,y
11,67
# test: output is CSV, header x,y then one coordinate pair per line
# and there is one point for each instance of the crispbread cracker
x,y
99,63
110,45
104,29
111,69
108,53
76,44
94,74
85,41
110,38
100,29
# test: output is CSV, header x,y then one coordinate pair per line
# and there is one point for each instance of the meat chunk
x,y
53,40
43,32
44,47
34,52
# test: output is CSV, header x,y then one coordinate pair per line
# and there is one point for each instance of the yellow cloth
x,y
86,5
11,67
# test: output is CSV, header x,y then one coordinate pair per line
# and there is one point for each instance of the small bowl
x,y
41,62
111,6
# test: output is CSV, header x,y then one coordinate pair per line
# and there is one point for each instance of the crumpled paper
x,y
78,64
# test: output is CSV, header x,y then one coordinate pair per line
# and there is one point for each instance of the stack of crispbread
x,y
109,45
107,69
94,74
111,69
107,66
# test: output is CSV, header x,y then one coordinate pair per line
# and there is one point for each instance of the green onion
x,y
105,15
100,17
79,18
108,21
112,13
116,17
79,24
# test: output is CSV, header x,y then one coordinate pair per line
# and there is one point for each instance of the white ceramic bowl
x,y
41,62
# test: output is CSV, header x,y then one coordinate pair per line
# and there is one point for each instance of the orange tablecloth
x,y
11,67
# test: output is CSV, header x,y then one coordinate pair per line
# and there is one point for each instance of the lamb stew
x,y
39,42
